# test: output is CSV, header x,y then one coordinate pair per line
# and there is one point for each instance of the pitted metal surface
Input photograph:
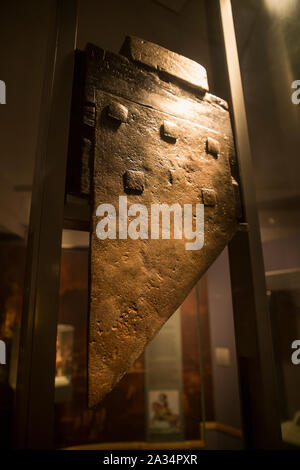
x,y
155,141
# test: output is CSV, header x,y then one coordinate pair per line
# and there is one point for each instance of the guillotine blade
x,y
153,136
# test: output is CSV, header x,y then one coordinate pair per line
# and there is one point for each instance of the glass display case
x,y
220,374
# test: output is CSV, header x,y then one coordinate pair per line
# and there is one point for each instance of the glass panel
x,y
268,41
23,42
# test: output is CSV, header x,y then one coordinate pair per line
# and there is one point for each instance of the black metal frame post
x,y
259,395
34,423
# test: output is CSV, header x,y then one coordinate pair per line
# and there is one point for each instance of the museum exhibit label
x,y
163,384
